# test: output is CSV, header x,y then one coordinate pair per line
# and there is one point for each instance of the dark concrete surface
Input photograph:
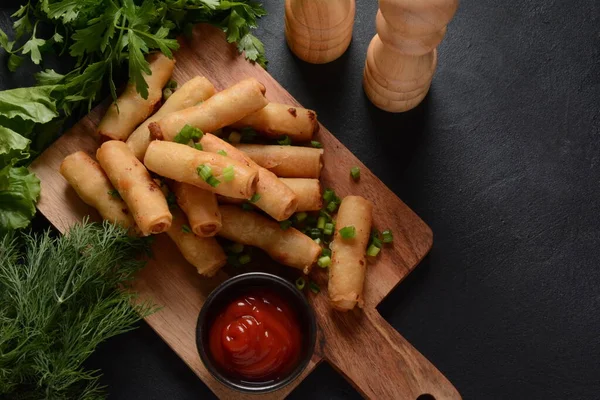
x,y
502,160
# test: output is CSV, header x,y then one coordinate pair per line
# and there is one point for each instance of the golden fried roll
x,y
308,192
94,188
189,94
131,108
286,161
348,264
201,208
143,196
289,247
274,197
222,109
204,253
276,120
180,163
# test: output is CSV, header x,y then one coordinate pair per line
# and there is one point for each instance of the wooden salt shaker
x,y
319,31
402,57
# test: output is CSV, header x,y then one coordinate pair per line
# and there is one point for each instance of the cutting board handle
x,y
379,362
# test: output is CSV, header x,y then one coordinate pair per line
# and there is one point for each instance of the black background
x,y
502,160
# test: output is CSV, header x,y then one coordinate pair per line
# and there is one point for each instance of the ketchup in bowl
x,y
256,337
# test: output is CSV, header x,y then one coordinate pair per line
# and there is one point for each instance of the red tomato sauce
x,y
256,337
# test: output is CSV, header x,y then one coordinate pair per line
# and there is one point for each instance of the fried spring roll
x,y
308,192
275,198
189,94
286,161
93,187
131,108
348,264
204,253
289,247
133,182
180,163
222,109
200,206
276,120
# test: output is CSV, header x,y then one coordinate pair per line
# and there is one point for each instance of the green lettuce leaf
x,y
13,147
19,191
29,105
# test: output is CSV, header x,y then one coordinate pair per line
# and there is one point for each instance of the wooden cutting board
x,y
361,345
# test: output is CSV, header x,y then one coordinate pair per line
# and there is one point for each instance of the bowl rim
x,y
264,277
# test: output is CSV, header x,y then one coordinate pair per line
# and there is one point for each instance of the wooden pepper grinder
x,y
319,31
402,57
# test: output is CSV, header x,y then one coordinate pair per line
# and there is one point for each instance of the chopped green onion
x,y
348,232
325,214
198,146
387,235
185,229
114,193
247,207
328,195
205,171
332,206
316,145
324,262
167,92
318,240
314,287
236,248
188,133
255,197
300,282
248,134
235,137
321,223
376,241
212,181
285,225
285,141
326,253
328,229
314,233
373,250
228,173
355,173
172,84
222,152
245,259
301,216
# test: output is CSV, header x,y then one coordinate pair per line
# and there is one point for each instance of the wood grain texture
x,y
360,344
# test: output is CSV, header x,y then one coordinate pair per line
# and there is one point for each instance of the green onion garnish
x,y
114,193
285,141
205,171
328,229
325,214
301,216
314,287
235,137
236,248
355,173
328,195
188,133
300,282
326,252
212,181
185,229
247,207
318,240
245,259
167,92
222,152
255,197
316,145
324,262
387,235
285,225
375,239
332,206
321,222
348,232
198,146
373,250
228,173
314,233
172,84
